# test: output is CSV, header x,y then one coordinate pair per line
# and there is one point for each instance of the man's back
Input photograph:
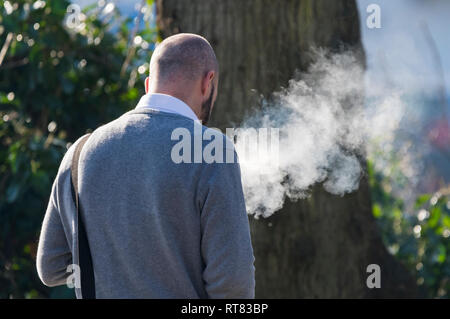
x,y
156,229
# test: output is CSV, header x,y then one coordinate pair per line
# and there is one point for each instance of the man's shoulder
x,y
66,162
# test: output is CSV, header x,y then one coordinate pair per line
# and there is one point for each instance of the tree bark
x,y
314,248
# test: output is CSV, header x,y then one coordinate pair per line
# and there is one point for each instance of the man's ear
x,y
147,79
207,82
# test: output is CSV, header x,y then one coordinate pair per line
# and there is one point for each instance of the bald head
x,y
185,66
183,57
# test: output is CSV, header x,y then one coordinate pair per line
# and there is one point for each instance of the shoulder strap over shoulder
x,y
84,252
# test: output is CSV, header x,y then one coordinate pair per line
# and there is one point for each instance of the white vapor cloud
x,y
324,129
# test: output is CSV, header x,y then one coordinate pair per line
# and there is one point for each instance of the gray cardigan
x,y
156,229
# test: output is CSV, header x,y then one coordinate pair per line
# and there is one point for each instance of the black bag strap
x,y
84,252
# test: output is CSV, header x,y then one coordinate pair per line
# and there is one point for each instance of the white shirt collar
x,y
166,103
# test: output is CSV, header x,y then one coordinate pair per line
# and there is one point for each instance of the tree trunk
x,y
321,246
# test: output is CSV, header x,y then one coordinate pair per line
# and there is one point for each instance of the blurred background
x,y
65,70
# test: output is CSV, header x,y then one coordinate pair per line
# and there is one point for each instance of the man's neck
x,y
179,96
166,103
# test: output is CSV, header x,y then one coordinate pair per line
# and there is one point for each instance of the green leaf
x,y
422,199
377,211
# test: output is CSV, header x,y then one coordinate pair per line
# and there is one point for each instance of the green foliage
x,y
419,238
56,83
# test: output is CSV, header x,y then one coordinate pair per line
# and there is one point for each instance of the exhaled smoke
x,y
324,127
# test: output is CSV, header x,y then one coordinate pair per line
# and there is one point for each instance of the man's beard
x,y
206,108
